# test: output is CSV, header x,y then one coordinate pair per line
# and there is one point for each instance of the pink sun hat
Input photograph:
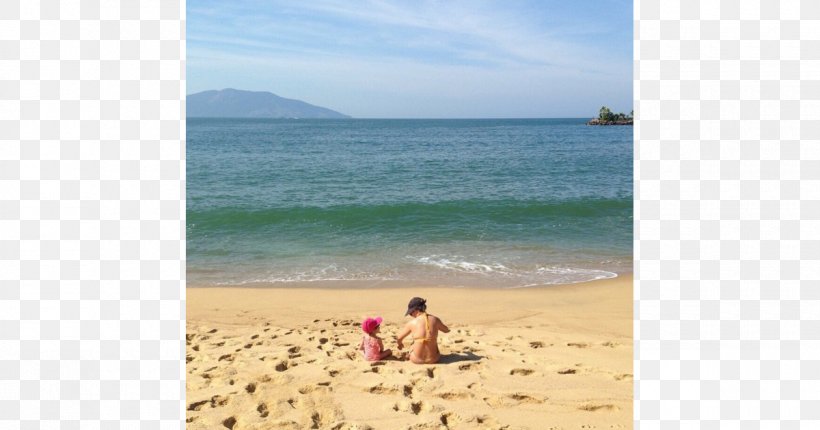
x,y
370,324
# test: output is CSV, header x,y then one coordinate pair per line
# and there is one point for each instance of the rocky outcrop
x,y
597,121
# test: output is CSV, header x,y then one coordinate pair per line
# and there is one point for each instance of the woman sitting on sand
x,y
372,346
424,329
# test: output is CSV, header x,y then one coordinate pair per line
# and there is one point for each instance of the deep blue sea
x,y
487,203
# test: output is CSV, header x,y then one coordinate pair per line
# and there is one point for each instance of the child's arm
x,y
381,345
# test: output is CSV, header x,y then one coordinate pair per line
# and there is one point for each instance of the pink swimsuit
x,y
372,350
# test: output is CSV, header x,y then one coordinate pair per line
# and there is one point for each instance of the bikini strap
x,y
426,325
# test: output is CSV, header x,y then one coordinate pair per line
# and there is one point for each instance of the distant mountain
x,y
231,103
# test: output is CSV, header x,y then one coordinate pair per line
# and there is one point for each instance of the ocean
x,y
507,203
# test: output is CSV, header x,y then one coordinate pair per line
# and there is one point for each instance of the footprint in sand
x,y
521,372
316,420
578,344
454,395
215,401
218,400
294,403
197,405
567,371
226,357
414,408
536,345
484,419
263,410
468,366
449,418
427,426
250,388
380,368
229,422
319,387
524,398
595,408
382,389
611,344
351,426
623,376
213,331
282,366
511,400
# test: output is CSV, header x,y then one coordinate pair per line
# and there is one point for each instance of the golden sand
x,y
557,357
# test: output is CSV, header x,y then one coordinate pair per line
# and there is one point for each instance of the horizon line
x,y
390,118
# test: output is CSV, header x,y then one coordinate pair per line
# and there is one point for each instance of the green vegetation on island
x,y
607,117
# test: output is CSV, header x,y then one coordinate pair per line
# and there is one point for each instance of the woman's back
x,y
424,329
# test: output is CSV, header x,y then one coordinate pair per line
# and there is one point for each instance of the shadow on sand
x,y
458,357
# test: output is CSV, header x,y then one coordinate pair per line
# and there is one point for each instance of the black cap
x,y
416,303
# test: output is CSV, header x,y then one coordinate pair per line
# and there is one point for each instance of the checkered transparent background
x,y
92,207
727,209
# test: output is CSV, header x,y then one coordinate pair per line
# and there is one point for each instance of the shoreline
x,y
342,284
555,355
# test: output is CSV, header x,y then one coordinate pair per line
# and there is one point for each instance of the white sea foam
x,y
463,266
567,275
515,276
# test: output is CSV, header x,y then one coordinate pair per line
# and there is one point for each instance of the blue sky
x,y
419,59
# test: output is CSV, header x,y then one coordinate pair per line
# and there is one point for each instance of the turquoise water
x,y
498,203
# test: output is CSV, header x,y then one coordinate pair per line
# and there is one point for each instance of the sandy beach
x,y
556,357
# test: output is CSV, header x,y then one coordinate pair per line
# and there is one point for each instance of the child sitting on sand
x,y
371,344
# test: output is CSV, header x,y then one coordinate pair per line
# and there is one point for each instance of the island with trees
x,y
607,117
